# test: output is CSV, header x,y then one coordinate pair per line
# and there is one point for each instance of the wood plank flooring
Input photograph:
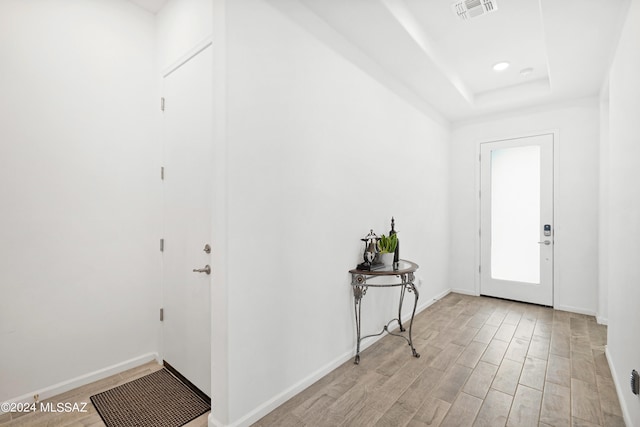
x,y
82,394
484,362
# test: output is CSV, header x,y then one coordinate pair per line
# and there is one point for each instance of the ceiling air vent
x,y
468,9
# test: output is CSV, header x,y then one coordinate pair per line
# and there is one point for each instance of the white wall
x,y
319,153
623,347
182,25
79,259
576,208
603,208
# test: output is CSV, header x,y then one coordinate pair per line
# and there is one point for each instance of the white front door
x,y
516,219
188,136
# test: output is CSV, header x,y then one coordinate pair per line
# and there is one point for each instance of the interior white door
x,y
516,219
188,137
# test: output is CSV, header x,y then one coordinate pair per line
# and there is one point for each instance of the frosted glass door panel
x,y
515,214
516,203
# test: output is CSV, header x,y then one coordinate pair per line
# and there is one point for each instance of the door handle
x,y
206,269
546,242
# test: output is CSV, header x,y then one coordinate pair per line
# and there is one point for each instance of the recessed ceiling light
x,y
526,71
500,66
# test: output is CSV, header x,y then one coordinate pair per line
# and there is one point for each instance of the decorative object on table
x,y
387,247
370,252
396,253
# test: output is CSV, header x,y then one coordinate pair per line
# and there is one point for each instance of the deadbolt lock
x,y
207,248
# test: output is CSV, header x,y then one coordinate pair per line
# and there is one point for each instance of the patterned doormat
x,y
155,400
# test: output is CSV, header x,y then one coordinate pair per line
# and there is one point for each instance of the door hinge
x,y
479,269
162,314
479,193
480,232
162,173
162,104
479,157
161,245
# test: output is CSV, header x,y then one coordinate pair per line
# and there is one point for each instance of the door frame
x,y
217,189
219,220
557,228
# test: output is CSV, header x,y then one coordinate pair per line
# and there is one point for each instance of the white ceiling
x,y
423,51
443,65
152,6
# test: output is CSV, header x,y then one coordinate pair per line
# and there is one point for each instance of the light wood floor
x,y
82,394
484,362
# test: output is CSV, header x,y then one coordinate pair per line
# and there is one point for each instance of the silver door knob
x,y
546,242
206,269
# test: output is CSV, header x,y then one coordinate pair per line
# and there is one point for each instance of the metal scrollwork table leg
x,y
402,290
412,288
360,289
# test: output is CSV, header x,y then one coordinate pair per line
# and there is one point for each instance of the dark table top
x,y
404,267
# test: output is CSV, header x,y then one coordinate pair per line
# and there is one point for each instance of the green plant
x,y
388,244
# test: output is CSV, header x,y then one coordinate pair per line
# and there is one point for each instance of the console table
x,y
362,280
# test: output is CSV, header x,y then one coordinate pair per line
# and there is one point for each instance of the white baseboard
x,y
213,422
76,382
575,310
619,390
287,394
465,292
437,298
